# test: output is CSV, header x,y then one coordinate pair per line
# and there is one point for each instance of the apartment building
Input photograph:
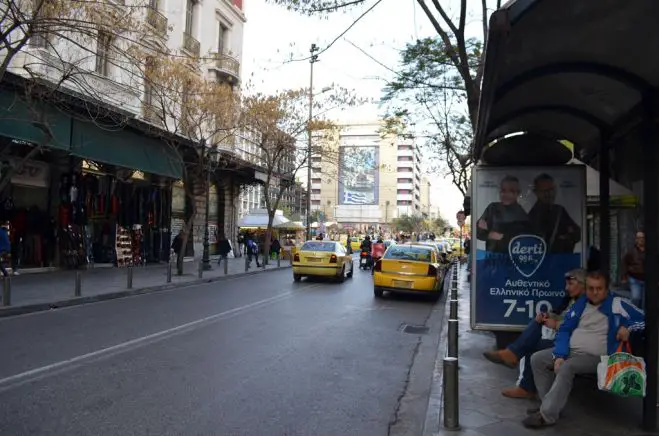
x,y
377,177
97,104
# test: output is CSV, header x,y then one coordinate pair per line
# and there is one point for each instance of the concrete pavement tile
x,y
461,432
474,419
515,428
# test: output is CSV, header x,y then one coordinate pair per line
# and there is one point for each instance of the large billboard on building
x,y
529,231
358,175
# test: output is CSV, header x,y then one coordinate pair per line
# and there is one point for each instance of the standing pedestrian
x,y
5,247
223,248
633,270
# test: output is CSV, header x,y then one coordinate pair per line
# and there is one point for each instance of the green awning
x,y
18,119
125,148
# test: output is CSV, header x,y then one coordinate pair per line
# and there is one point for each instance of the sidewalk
x,y
484,411
34,292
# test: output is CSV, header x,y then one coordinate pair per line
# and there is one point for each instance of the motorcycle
x,y
364,260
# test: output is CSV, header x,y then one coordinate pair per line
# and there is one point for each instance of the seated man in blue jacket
x,y
593,327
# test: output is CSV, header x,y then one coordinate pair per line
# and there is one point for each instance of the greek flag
x,y
353,198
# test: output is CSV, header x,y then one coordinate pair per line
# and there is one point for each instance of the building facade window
x,y
103,47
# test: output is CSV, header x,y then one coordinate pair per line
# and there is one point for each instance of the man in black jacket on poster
x,y
551,221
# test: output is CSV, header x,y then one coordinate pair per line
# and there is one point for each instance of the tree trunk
x,y
268,238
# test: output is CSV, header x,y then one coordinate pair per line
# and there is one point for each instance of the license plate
x,y
313,259
402,284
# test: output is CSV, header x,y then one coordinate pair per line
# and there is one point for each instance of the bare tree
x,y
58,51
278,124
198,117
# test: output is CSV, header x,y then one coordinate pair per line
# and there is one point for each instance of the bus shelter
x,y
581,71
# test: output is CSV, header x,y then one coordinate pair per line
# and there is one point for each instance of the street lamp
x,y
210,156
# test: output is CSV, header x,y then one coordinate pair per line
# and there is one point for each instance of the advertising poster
x,y
528,228
358,175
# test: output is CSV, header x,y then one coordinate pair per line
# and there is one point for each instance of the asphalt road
x,y
256,355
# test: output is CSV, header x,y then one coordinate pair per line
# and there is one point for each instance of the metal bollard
x,y
169,272
451,398
452,338
246,263
278,260
453,309
6,292
78,285
201,270
129,278
226,265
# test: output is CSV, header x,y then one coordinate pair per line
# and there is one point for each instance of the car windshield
x,y
421,254
319,246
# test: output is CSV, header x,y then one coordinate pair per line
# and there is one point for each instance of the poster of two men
x,y
528,230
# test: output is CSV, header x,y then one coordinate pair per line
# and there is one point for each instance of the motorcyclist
x,y
365,247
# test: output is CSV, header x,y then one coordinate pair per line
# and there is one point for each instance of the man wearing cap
x,y
531,339
593,327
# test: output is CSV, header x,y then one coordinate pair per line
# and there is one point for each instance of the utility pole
x,y
312,60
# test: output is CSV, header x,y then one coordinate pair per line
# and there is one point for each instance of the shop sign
x,y
529,230
30,173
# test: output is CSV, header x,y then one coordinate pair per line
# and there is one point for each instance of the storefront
x,y
126,214
25,204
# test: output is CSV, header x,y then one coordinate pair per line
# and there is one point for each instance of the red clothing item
x,y
19,223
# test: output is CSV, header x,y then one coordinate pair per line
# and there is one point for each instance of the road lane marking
x,y
53,368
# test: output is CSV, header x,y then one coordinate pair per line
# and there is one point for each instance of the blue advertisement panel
x,y
358,175
528,230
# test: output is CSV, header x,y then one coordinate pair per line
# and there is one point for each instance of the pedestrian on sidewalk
x,y
252,251
275,247
241,245
593,327
5,247
633,270
223,248
177,246
532,339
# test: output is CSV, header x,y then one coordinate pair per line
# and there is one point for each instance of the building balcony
x,y
191,45
406,197
408,186
226,65
157,20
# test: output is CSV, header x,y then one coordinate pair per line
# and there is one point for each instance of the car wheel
x,y
342,277
297,277
352,269
378,293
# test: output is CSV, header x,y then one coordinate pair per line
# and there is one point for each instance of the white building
x,y
392,187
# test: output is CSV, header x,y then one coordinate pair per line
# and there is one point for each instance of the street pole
x,y
312,60
206,261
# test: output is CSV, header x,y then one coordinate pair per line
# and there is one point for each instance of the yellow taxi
x,y
408,268
324,259
355,243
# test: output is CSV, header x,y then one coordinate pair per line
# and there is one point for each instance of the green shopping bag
x,y
622,373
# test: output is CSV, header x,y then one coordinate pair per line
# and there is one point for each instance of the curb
x,y
432,425
77,301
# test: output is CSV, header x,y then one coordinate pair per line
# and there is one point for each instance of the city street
x,y
253,355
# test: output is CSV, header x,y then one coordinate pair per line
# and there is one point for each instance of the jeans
x,y
554,388
637,287
528,343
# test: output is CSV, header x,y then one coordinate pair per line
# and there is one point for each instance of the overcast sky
x,y
273,34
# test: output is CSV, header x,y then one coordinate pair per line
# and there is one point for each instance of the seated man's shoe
x,y
518,392
503,357
536,421
533,410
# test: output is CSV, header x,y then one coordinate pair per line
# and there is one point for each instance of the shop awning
x,y
17,121
258,219
124,148
291,225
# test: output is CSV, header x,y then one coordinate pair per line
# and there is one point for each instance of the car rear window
x,y
318,246
421,254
